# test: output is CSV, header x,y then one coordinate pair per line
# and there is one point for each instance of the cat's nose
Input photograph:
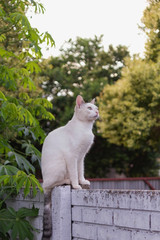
x,y
97,113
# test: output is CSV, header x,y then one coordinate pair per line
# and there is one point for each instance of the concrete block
x,y
41,209
61,213
92,198
97,215
92,215
145,200
84,230
155,221
29,197
37,235
125,199
78,239
37,222
41,198
77,213
112,233
141,235
132,219
13,203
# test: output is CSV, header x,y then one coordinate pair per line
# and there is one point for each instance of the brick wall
x,y
98,214
115,215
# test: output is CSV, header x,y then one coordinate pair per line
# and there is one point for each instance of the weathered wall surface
x,y
61,213
115,215
98,214
28,202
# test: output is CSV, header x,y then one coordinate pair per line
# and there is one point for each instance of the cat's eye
x,y
89,108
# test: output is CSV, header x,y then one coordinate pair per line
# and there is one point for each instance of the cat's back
x,y
55,136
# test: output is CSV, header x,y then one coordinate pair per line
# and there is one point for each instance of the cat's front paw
x,y
76,187
85,182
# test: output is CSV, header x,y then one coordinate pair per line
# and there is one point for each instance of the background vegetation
x,y
34,90
130,108
21,112
83,68
127,90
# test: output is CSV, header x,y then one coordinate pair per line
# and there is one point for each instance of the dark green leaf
x,y
17,223
23,163
27,187
25,212
8,170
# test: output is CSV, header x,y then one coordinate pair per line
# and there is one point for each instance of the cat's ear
x,y
79,101
93,101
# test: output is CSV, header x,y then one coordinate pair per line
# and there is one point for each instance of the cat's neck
x,y
77,123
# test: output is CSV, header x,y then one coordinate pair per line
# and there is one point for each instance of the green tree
x,y
83,67
130,109
151,26
21,110
130,115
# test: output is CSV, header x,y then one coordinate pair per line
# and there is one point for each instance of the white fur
x,y
64,149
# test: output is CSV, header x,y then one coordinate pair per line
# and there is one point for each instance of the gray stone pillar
x,y
61,213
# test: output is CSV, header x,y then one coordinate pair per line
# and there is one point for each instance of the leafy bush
x,y
17,223
130,109
21,111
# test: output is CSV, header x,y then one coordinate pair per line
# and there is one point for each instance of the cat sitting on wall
x,y
63,155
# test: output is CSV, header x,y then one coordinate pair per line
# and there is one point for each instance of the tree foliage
x,y
21,108
151,26
130,109
83,67
20,113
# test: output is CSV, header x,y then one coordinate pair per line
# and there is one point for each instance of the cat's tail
x,y
47,217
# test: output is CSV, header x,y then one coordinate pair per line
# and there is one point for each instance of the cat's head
x,y
86,111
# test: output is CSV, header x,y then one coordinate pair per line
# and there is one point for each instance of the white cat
x,y
64,150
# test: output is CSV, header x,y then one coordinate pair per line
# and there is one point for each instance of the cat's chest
x,y
80,136
84,140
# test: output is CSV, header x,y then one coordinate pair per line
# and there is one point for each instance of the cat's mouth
x,y
96,116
